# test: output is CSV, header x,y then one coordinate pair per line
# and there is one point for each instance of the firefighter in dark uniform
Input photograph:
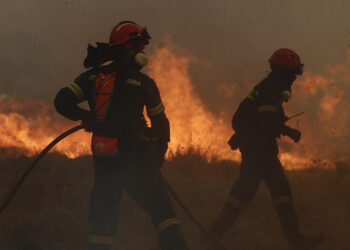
x,y
127,154
258,122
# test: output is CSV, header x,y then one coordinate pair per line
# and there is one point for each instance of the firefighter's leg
x,y
280,190
241,194
104,203
279,187
148,188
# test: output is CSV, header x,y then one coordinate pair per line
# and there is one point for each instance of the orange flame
x,y
192,124
325,126
30,126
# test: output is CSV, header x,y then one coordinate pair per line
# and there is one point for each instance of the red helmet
x,y
287,57
127,30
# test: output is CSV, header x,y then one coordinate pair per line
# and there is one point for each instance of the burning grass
x,y
50,210
31,125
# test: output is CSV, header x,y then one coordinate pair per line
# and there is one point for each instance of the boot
x,y
289,221
302,242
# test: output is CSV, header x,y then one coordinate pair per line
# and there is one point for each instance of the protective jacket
x,y
260,118
258,122
117,94
123,161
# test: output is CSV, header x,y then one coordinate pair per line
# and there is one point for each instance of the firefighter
x,y
258,122
127,155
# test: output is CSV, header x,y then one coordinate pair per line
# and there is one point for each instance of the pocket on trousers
x,y
104,146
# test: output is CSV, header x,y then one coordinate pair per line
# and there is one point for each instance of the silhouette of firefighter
x,y
258,122
127,154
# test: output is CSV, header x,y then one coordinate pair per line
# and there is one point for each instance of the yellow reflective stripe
x,y
236,202
99,239
282,199
268,108
166,223
156,110
252,95
77,91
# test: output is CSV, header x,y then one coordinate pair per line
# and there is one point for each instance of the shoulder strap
x,y
103,92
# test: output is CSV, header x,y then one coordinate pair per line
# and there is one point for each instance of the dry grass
x,y
50,210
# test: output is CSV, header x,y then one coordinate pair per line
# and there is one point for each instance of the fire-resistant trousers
x,y
145,184
254,169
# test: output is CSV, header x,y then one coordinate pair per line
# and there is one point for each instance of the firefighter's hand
x,y
294,134
89,122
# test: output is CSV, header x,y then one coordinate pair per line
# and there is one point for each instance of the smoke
x,y
23,63
44,42
325,98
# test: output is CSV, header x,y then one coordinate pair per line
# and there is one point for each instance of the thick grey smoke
x,y
43,43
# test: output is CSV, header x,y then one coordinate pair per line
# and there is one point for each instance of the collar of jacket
x,y
125,64
273,85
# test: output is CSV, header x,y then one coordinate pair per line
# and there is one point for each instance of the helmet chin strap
x,y
141,59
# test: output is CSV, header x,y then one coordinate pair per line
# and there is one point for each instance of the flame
x,y
31,125
192,124
28,126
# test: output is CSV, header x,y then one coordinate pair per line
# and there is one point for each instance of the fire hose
x,y
71,131
34,162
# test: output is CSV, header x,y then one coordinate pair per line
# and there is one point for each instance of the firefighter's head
x,y
286,64
130,39
286,61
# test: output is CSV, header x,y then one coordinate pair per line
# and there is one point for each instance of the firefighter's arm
x,y
271,119
160,124
243,121
66,104
246,113
155,111
67,99
292,133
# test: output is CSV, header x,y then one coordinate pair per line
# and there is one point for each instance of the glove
x,y
88,121
294,134
154,148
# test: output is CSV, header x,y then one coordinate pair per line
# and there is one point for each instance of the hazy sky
x,y
43,42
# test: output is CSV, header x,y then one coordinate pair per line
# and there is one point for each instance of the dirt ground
x,y
50,210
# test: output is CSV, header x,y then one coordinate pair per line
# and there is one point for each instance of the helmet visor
x,y
299,69
145,35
